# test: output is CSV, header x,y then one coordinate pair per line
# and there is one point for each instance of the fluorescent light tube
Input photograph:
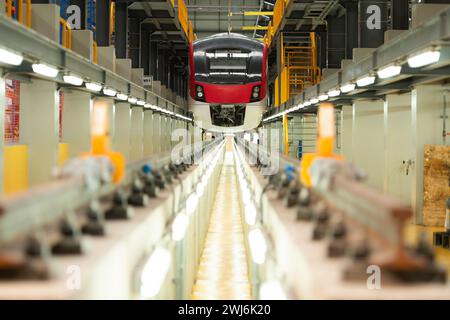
x,y
334,93
154,273
179,226
45,70
389,72
424,58
11,58
109,92
93,86
122,96
272,290
132,100
348,87
73,80
258,246
323,97
365,81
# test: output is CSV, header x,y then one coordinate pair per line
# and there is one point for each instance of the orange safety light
x,y
325,132
101,140
324,144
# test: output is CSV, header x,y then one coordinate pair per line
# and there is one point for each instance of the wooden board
x,y
436,189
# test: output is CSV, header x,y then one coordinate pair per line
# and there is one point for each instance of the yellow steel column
x,y
286,135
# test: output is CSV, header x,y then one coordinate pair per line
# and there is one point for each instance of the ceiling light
x,y
132,100
122,96
348,87
73,80
93,86
389,72
314,100
334,93
306,103
11,58
365,81
140,103
323,97
109,92
424,58
45,70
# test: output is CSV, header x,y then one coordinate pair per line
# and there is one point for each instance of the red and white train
x,y
228,82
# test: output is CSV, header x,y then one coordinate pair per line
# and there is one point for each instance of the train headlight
x,y
255,92
199,92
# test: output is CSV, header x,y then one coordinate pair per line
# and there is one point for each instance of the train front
x,y
228,82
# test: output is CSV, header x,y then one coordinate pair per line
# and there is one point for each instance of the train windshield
x,y
228,60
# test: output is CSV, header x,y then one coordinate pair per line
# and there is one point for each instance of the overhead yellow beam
x,y
254,28
258,13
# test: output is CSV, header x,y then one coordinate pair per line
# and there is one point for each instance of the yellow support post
x,y
69,37
286,135
29,13
9,6
183,16
63,25
94,44
20,8
112,15
277,94
191,32
15,168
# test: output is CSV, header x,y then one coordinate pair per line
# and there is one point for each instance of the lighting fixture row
x,y
256,238
14,59
182,218
416,60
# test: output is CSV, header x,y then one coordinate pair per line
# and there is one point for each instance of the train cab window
x,y
228,60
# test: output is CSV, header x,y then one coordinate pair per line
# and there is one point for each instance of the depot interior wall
x,y
137,134
122,128
148,133
386,139
368,139
346,132
156,133
76,121
39,127
427,107
398,146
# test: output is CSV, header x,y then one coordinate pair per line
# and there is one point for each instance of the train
x,y
227,82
